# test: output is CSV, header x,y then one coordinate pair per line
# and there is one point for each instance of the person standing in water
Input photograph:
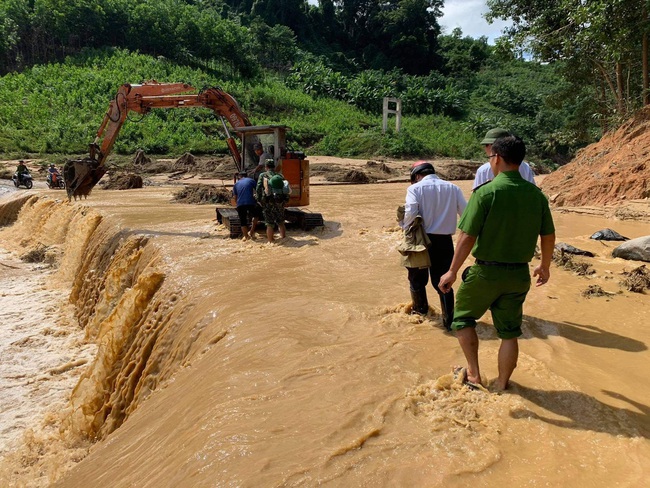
x,y
438,202
272,203
500,227
244,193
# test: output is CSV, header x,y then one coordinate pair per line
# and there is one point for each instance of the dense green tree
x,y
290,13
409,30
35,31
14,26
239,7
391,33
600,41
463,56
276,46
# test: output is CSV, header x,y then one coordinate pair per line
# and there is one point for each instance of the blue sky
x,y
468,15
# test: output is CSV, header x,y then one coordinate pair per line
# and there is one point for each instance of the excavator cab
x,y
292,164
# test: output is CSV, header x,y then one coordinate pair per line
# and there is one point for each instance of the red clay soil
x,y
615,169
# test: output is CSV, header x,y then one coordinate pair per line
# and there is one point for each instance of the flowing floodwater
x,y
199,360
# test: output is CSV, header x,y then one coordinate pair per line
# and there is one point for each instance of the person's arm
x,y
463,248
411,209
543,270
460,202
259,186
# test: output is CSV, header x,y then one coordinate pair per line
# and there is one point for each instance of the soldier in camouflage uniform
x,y
272,209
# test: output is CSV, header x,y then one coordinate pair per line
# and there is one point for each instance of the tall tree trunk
x,y
644,53
620,89
600,94
606,82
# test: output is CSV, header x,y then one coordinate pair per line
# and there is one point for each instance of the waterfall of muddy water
x,y
229,363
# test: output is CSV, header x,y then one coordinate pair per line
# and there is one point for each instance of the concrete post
x,y
397,111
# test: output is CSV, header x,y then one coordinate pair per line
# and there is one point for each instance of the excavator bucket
x,y
81,176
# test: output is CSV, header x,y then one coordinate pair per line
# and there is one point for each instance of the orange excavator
x,y
81,176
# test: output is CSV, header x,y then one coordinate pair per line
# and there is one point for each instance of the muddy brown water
x,y
229,363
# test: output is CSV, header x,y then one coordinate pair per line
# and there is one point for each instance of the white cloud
x,y
469,16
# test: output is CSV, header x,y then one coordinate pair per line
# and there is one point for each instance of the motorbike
x,y
55,180
24,179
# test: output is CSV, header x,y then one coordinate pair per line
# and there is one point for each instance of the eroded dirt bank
x,y
611,171
222,362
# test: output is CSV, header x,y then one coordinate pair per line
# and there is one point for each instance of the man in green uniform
x,y
272,204
500,227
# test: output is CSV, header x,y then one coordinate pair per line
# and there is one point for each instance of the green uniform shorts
x,y
500,288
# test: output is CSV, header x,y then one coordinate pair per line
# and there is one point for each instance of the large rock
x,y
569,249
608,235
636,249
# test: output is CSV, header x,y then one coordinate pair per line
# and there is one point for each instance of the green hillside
x,y
321,69
57,108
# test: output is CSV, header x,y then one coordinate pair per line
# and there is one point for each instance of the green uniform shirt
x,y
506,216
259,189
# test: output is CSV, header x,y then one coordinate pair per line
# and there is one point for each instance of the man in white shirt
x,y
439,203
485,174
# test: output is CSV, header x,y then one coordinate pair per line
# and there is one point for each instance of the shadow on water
x,y
584,412
589,335
581,333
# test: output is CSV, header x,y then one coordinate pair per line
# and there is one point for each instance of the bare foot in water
x,y
472,381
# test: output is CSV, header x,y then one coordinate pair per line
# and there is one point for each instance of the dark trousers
x,y
441,252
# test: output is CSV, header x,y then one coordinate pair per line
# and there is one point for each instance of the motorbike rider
x,y
21,170
53,174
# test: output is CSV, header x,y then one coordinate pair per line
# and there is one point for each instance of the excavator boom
x,y
82,175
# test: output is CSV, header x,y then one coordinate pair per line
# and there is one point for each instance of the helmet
x,y
51,165
421,167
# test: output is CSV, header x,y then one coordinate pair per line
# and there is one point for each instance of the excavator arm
x,y
82,175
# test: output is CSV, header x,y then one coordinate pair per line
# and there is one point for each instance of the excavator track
x,y
302,219
230,219
81,175
294,218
